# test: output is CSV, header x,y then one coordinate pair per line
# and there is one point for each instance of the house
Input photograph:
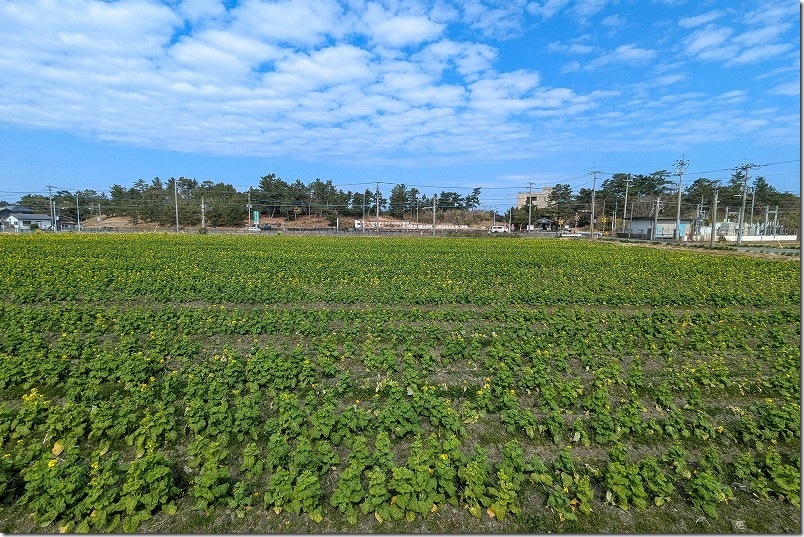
x,y
642,228
7,210
24,221
65,223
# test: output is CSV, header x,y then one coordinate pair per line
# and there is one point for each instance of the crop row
x,y
394,271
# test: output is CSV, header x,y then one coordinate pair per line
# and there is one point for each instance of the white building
x,y
24,221
537,199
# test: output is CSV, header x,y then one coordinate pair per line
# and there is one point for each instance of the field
x,y
167,383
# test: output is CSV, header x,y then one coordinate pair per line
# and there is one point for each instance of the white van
x,y
498,229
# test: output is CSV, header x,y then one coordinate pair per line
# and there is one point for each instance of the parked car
x,y
253,229
498,229
266,227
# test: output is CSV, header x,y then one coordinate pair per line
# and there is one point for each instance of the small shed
x,y
544,223
642,228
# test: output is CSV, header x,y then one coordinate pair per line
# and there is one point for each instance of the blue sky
x,y
441,95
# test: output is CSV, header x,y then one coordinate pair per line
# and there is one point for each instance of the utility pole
x,y
378,207
765,225
753,199
593,173
77,212
656,217
530,202
625,205
203,214
176,201
714,221
631,219
434,210
248,210
745,168
614,217
775,220
52,207
603,218
99,212
681,165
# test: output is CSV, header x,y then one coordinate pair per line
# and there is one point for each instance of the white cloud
x,y
731,97
628,54
710,42
502,21
326,67
519,92
698,20
588,8
754,37
127,28
475,59
571,48
760,53
668,80
418,89
206,62
328,80
443,12
197,10
613,21
468,59
505,85
792,89
405,30
395,27
301,22
761,35
546,9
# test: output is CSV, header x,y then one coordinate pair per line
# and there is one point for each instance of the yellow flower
x,y
52,462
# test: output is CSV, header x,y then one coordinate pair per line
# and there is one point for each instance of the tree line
x,y
156,201
645,189
220,204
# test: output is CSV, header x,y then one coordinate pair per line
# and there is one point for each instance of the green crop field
x,y
167,383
